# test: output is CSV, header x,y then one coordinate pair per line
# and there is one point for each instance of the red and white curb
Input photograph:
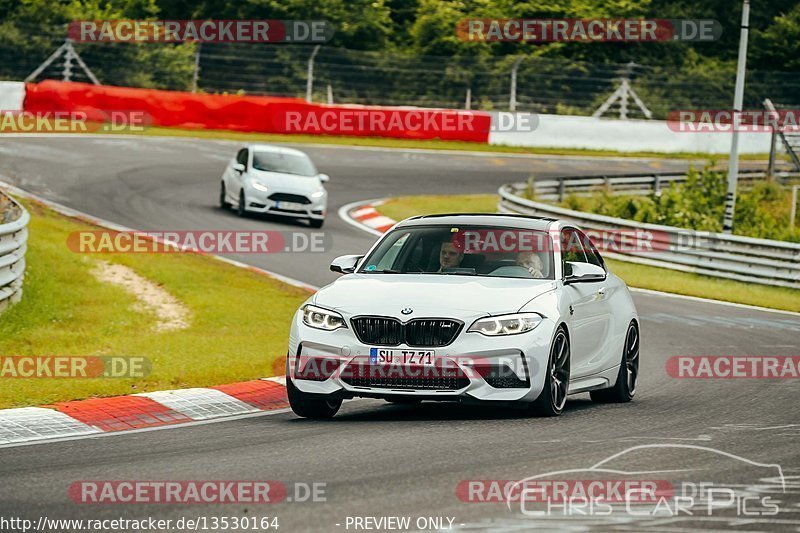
x,y
96,416
364,216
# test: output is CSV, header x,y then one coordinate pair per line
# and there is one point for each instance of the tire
x,y
310,405
240,209
625,387
556,382
223,203
316,223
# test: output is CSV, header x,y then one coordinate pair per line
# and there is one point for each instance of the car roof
x,y
482,219
274,149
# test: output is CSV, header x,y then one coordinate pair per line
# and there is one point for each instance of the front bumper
x,y
473,367
259,202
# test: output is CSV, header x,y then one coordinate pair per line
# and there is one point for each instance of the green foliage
x,y
698,203
422,34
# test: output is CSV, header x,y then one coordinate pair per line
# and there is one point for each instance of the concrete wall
x,y
565,131
12,95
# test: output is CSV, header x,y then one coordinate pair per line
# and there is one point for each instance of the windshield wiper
x,y
384,271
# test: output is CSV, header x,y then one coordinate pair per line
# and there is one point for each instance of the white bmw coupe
x,y
507,309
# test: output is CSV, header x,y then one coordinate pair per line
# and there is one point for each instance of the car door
x,y
590,312
236,178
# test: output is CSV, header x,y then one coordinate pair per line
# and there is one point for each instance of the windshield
x,y
487,251
300,165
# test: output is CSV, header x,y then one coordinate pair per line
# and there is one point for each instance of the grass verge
x,y
433,144
238,329
646,277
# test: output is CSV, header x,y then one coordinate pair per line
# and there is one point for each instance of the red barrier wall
x,y
258,113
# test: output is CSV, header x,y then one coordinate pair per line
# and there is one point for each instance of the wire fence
x,y
543,85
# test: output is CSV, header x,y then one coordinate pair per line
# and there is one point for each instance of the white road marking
x,y
200,403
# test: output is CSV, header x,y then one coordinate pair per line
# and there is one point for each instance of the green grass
x,y
434,144
239,327
408,206
646,277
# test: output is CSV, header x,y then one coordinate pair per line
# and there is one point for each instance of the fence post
x,y
196,72
656,184
310,77
771,164
468,101
561,186
67,71
512,99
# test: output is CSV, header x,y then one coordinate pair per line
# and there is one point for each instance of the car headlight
x,y
319,318
506,324
257,185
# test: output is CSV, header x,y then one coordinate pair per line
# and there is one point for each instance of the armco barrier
x,y
631,184
263,114
13,244
733,257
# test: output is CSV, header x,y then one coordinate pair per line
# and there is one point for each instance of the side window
x,y
241,157
592,255
571,248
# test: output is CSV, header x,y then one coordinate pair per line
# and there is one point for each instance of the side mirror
x,y
324,178
345,264
583,272
238,167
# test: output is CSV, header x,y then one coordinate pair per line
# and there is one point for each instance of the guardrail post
x,y
561,188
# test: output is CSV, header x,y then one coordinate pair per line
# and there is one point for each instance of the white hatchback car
x,y
275,180
489,308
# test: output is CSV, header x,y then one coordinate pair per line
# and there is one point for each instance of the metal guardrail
x,y
556,189
13,244
761,261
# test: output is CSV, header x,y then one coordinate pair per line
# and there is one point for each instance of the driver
x,y
450,255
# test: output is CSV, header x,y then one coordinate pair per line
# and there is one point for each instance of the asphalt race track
x,y
382,460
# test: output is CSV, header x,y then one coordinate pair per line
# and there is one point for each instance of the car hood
x,y
287,182
429,295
